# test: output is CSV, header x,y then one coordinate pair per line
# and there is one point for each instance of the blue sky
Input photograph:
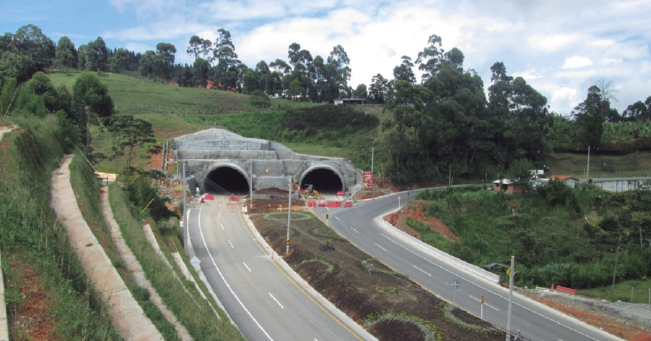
x,y
560,47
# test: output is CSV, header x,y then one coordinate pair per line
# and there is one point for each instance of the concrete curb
x,y
4,326
127,316
458,263
136,270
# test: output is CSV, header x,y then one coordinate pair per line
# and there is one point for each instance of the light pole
x,y
508,315
289,214
185,210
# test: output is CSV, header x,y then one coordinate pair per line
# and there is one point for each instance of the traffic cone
x,y
552,286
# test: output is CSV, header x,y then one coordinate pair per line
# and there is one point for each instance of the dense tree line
x,y
445,122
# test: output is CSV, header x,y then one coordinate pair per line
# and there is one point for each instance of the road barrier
x,y
334,203
341,193
567,290
311,203
321,203
348,203
234,198
209,197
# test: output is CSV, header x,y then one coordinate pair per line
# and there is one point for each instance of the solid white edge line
x,y
492,292
224,279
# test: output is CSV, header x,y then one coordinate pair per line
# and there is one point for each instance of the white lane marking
x,y
490,291
354,229
219,215
421,270
247,267
272,296
478,300
378,245
224,279
337,218
229,241
222,225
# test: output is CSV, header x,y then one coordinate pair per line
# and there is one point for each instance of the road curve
x,y
261,298
537,322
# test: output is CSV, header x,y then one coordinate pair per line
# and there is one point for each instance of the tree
x,y
65,54
96,55
228,70
199,47
148,64
405,71
590,116
24,53
259,99
378,89
360,91
91,102
120,61
429,60
520,171
41,85
127,135
638,111
201,72
165,53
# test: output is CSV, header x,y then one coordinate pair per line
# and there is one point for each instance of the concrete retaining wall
x,y
456,262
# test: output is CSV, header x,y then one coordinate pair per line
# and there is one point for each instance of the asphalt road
x,y
263,301
534,321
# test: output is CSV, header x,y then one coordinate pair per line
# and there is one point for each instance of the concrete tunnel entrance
x,y
324,180
226,180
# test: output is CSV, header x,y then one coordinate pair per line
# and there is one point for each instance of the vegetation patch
x,y
330,268
429,331
280,216
449,313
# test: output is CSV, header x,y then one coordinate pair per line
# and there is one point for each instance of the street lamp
x,y
511,272
289,213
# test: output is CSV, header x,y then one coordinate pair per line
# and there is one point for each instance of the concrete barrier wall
x,y
454,261
4,324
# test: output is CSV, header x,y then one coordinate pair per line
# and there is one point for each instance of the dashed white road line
x,y
478,300
378,245
247,267
354,229
225,282
229,241
421,270
272,296
219,215
337,218
222,225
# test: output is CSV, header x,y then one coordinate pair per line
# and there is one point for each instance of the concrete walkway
x,y
133,266
4,326
126,315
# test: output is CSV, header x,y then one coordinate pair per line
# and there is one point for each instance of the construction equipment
x,y
309,191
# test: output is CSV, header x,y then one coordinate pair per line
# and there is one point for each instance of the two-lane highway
x,y
262,299
403,254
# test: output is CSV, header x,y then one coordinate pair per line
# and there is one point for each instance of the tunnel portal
x,y
226,180
324,180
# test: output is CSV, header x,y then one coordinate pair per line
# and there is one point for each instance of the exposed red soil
x,y
31,316
415,211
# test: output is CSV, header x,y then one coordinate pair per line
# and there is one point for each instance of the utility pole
x,y
508,315
587,174
372,157
612,290
450,178
289,214
185,210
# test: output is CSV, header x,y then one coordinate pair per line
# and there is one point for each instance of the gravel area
x,y
633,314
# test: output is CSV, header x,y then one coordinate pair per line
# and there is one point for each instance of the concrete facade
x,y
620,184
263,163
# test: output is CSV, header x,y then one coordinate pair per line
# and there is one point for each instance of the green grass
x,y
33,239
195,313
622,291
634,164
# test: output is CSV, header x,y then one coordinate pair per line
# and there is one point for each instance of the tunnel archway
x,y
325,180
226,180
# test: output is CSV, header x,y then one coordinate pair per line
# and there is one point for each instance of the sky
x,y
560,47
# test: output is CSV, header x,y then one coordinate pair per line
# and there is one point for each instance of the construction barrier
x,y
209,197
311,203
321,203
341,193
564,289
334,203
234,198
348,203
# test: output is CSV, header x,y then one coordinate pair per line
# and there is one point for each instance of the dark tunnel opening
x,y
226,180
324,181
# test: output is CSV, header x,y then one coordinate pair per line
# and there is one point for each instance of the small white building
x,y
621,184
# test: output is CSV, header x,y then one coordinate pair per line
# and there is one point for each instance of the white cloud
x,y
576,62
552,42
